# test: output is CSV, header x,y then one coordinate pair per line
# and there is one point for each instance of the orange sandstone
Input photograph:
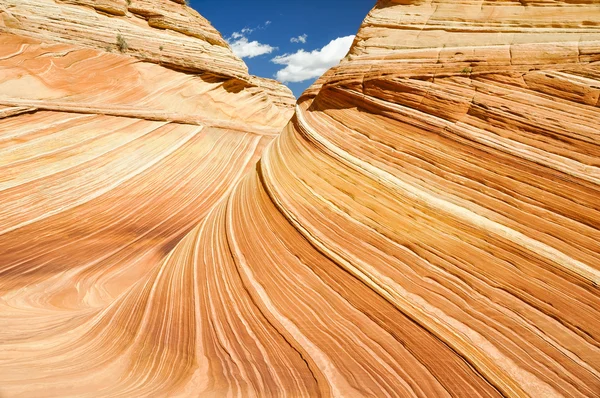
x,y
427,224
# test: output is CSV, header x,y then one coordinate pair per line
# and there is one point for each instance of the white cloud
x,y
299,39
244,48
303,65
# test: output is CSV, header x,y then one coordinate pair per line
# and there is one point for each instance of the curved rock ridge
x,y
281,95
62,77
158,31
427,224
161,32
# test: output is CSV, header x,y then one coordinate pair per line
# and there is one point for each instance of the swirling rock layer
x,y
427,224
159,31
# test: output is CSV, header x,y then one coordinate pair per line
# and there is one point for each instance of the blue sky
x,y
261,31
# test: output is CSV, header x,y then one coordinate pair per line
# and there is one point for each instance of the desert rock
x,y
427,223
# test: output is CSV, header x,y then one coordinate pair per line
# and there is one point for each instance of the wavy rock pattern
x,y
427,224
163,32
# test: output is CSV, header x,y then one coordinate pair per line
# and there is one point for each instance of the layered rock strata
x,y
427,224
163,32
108,159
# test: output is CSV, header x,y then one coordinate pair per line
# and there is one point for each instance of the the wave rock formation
x,y
427,224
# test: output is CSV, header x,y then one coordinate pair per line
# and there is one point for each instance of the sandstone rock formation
x,y
163,32
427,224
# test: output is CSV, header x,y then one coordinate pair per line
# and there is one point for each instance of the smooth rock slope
x,y
427,224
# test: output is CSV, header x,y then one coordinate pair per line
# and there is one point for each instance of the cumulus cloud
x,y
299,39
303,65
244,48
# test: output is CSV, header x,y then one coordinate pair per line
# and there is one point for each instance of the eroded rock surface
x,y
427,224
163,32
